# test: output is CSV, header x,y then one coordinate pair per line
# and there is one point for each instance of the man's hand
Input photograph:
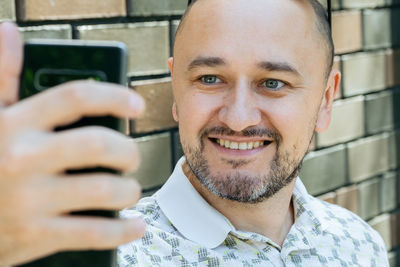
x,y
35,196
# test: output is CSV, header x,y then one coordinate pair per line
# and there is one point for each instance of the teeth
x,y
234,145
227,143
243,146
240,146
250,145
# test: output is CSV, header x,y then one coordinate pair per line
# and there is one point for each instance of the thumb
x,y
11,55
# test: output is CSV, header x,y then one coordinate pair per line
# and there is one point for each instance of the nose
x,y
239,110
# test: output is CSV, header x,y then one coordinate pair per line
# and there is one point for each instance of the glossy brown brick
x,y
158,97
347,197
69,9
347,31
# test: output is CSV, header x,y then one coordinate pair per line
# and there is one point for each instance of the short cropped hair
x,y
322,24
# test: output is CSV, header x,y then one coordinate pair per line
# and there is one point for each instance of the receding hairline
x,y
322,25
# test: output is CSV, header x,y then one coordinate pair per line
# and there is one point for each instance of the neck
x,y
272,218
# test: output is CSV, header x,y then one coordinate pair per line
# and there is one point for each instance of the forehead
x,y
250,29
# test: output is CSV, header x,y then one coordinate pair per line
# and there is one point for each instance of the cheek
x,y
195,111
294,119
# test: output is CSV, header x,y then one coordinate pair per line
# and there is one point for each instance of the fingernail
x,y
140,226
137,104
7,24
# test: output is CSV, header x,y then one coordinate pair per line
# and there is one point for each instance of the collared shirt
x,y
184,230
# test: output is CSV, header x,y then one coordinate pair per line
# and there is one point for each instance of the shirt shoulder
x,y
349,232
148,209
155,248
337,217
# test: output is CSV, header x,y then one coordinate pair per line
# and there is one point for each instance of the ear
x,y
171,64
174,109
325,111
175,112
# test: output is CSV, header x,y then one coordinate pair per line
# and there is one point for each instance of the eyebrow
x,y
266,65
206,62
278,66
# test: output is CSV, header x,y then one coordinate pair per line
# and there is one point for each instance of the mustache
x,y
248,132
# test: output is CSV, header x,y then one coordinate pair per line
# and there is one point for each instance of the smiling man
x,y
252,81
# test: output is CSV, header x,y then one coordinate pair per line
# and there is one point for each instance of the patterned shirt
x,y
184,230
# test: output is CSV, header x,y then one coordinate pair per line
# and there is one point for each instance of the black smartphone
x,y
48,63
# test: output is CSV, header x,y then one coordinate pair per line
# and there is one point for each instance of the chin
x,y
237,181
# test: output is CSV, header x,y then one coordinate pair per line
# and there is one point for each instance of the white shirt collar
x,y
194,218
199,222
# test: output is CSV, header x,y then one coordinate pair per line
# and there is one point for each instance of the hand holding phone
x,y
36,195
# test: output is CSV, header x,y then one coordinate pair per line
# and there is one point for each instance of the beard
x,y
239,185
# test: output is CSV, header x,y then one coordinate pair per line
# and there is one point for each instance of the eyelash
x,y
202,77
275,80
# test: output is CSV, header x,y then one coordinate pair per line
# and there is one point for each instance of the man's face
x,y
248,79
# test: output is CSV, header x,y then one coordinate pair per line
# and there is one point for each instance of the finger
x,y
90,147
96,233
68,102
47,236
90,192
72,149
10,62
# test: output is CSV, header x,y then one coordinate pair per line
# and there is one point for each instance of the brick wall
x,y
354,164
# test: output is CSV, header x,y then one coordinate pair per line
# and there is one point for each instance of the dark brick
x,y
47,31
377,28
155,154
177,147
388,193
368,157
324,170
156,7
379,112
369,199
147,42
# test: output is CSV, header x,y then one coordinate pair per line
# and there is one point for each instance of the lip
x,y
238,152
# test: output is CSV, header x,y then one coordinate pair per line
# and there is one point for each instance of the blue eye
x,y
273,84
210,79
